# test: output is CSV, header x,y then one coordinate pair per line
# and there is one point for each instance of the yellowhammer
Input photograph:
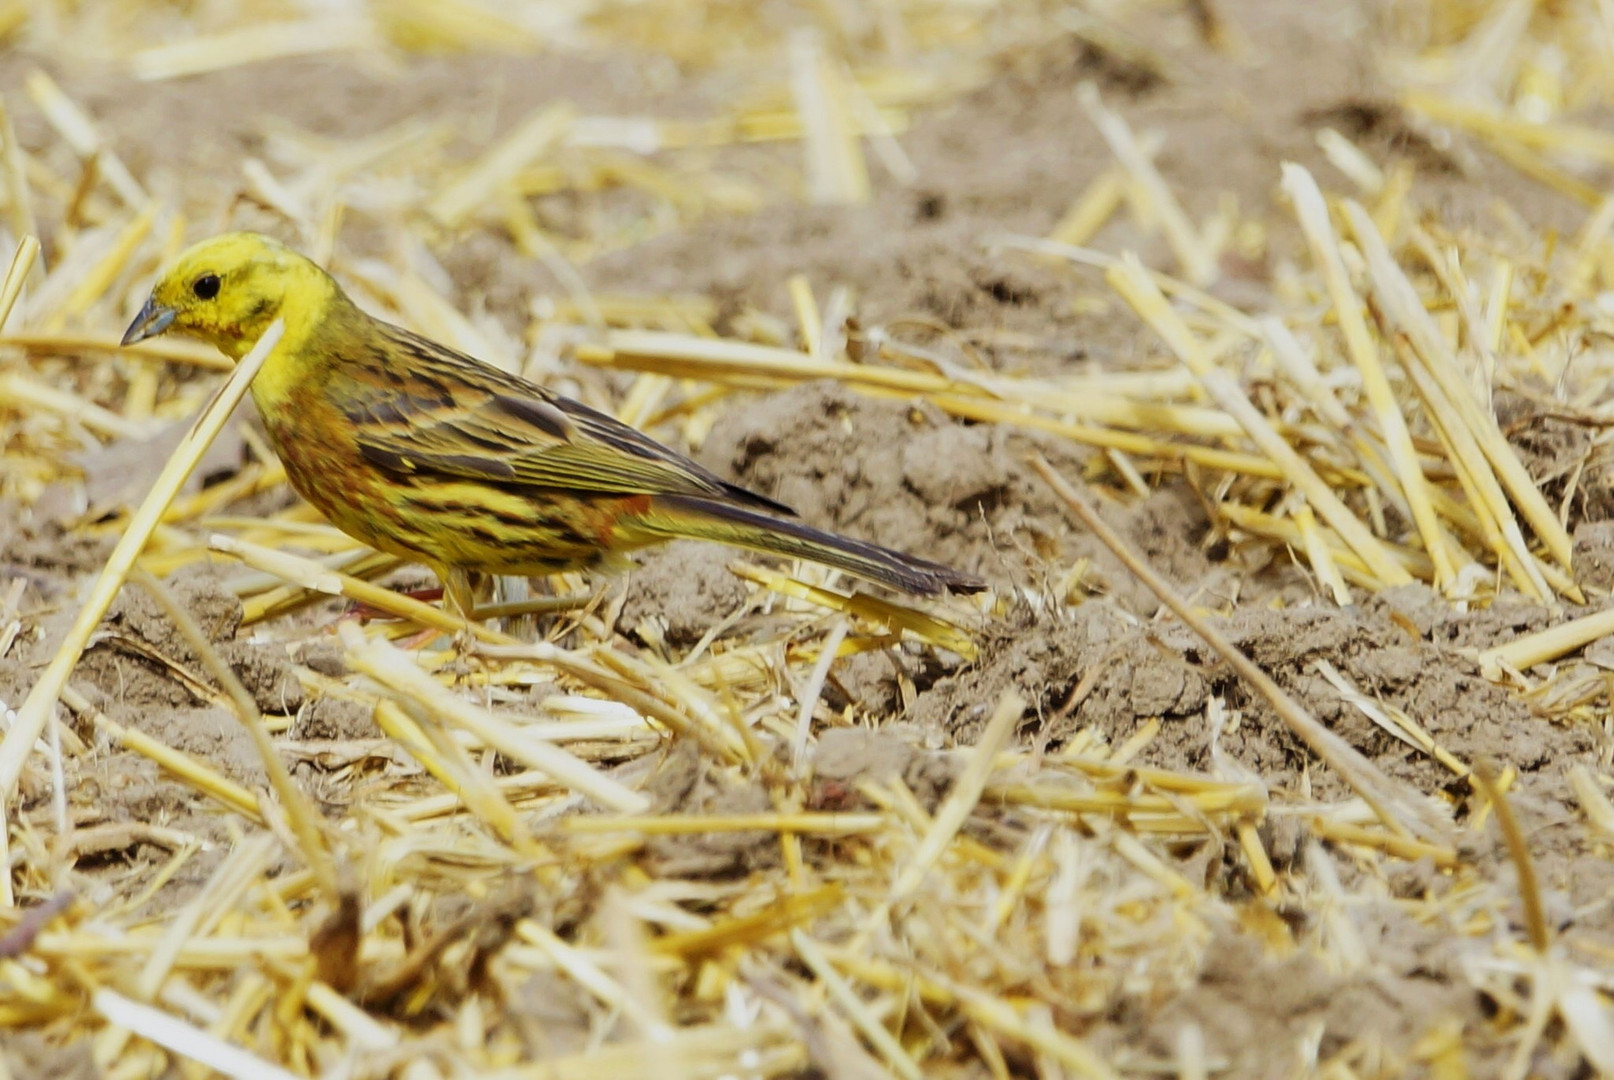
x,y
435,456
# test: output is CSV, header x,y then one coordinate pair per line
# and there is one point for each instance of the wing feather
x,y
452,416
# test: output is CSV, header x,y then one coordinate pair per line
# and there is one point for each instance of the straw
x,y
498,167
81,134
1543,646
1138,290
38,706
19,200
393,668
1313,215
185,1039
1535,919
763,919
1389,803
836,172
1197,261
248,45
1400,303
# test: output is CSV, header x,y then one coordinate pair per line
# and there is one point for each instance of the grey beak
x,y
152,320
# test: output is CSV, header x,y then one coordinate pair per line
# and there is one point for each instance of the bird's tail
x,y
693,517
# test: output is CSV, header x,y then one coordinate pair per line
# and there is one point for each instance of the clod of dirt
x,y
1421,612
199,590
325,656
1415,606
336,718
1558,449
686,783
904,476
33,1054
965,288
1432,683
120,786
1495,625
687,587
843,757
1594,489
127,787
212,734
878,684
45,552
131,671
1594,555
1258,1013
262,669
842,460
911,478
1135,672
954,466
871,681
1129,674
1168,528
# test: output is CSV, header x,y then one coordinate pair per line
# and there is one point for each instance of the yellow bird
x,y
435,456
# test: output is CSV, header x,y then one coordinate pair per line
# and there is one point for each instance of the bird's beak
x,y
152,320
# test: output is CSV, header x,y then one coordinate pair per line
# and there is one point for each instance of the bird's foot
x,y
419,638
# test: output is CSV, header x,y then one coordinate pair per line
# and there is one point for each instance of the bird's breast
x,y
318,447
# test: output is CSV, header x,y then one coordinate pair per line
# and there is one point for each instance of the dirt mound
x,y
908,478
1256,1013
684,588
1103,670
138,652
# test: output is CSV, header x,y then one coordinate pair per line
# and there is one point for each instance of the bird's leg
x,y
459,594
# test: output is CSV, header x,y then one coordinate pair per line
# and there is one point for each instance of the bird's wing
x,y
420,408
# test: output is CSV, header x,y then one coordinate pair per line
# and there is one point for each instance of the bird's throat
x,y
301,360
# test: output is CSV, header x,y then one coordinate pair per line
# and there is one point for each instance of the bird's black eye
x,y
206,286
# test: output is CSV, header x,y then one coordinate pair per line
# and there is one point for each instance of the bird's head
x,y
228,290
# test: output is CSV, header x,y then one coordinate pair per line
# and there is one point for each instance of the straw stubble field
x,y
1309,302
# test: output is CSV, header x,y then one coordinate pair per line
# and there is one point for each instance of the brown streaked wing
x,y
449,414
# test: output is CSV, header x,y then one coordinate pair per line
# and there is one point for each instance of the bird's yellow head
x,y
228,290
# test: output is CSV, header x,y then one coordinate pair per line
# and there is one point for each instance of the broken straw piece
x,y
1193,254
1313,214
498,167
836,171
82,135
1136,287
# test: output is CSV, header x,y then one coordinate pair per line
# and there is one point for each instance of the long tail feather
x,y
709,519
